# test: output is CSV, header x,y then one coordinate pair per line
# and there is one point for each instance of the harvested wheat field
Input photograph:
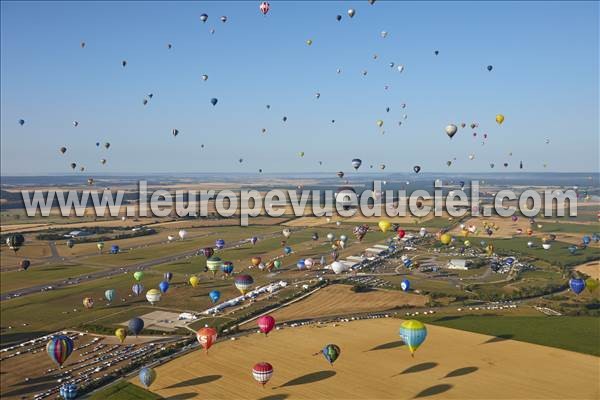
x,y
339,299
374,364
592,269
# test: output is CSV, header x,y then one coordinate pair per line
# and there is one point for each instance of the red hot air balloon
x,y
208,251
264,7
262,372
401,233
206,337
266,323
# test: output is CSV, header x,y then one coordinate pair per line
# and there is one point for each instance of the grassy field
x,y
124,391
36,275
374,364
578,334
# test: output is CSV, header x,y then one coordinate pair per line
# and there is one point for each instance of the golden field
x,y
374,364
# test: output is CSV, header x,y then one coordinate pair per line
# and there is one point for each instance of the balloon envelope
x,y
147,375
136,325
413,334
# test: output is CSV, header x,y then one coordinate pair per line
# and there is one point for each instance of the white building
x,y
458,264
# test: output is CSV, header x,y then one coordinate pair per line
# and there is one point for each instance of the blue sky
x,y
545,82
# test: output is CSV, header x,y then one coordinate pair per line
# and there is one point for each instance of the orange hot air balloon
x,y
206,337
529,231
256,261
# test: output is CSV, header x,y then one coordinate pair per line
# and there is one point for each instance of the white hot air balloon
x,y
153,296
182,234
422,232
170,238
337,267
286,232
308,263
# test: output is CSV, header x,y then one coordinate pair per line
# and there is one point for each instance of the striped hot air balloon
x,y
59,348
331,352
147,376
68,391
243,283
213,263
227,268
137,289
206,337
413,333
262,372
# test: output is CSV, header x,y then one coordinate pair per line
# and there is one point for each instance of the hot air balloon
x,y
208,251
351,12
68,391
223,18
73,165
214,101
109,294
262,372
219,244
138,275
384,225
337,267
168,276
338,17
591,284
182,234
175,132
137,289
124,63
24,264
266,323
405,285
309,42
253,240
227,268
264,7
413,334
163,286
14,242
206,337
243,283
287,250
147,375
59,348
88,302
315,236
331,352
401,233
153,296
437,52
499,119
214,296
379,123
577,285
356,163
194,280
340,174
136,325
301,264
121,334
203,17
451,130
416,168
300,154
204,77
286,232
446,239
21,122
277,264
256,260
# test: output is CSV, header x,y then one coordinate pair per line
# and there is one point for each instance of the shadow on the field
x,y
389,345
28,389
8,339
431,391
182,396
447,318
195,381
499,338
461,372
309,378
281,396
418,368
38,379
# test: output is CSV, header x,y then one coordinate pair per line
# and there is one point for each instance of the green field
x,y
578,334
13,280
582,229
124,390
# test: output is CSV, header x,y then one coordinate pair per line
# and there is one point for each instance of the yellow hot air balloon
x,y
591,284
467,243
499,119
121,333
489,249
384,225
379,123
194,281
446,239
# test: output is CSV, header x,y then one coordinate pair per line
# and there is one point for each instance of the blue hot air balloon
x,y
220,244
59,348
586,240
68,391
136,325
413,334
572,249
577,285
163,286
227,267
147,376
214,101
214,295
137,289
407,263
509,261
109,294
114,249
287,250
301,264
168,276
405,285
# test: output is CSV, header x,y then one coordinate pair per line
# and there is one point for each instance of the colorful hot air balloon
x,y
59,348
256,261
446,239
163,286
264,7
136,325
413,334
266,323
277,264
137,289
109,294
356,163
591,284
194,280
68,391
88,302
405,285
243,283
331,352
577,285
208,251
227,268
262,372
121,334
213,264
138,275
147,375
214,296
206,337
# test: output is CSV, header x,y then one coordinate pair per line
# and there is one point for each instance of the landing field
x,y
375,364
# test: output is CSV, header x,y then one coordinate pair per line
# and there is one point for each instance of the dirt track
x,y
375,365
